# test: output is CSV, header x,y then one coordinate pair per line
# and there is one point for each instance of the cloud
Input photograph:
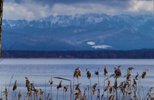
x,y
91,43
29,12
16,11
138,6
36,9
101,46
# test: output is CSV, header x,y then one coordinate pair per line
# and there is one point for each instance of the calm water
x,y
40,71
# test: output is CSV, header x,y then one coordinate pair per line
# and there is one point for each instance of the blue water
x,y
40,71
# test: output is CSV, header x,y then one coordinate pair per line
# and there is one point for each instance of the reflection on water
x,y
40,71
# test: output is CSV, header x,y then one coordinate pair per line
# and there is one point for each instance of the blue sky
x,y
35,9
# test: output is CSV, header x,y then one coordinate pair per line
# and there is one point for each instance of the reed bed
x,y
129,89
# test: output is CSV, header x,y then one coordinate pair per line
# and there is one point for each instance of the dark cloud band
x,y
118,4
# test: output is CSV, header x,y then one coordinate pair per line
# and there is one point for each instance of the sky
x,y
36,9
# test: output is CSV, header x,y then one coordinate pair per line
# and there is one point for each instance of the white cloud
x,y
34,11
28,11
138,6
16,11
91,43
101,46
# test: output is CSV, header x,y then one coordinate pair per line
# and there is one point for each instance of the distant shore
x,y
129,54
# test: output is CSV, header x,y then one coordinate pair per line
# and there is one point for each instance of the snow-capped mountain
x,y
68,32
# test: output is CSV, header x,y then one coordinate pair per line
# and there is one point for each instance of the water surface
x,y
40,71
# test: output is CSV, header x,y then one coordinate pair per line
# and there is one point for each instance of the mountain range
x,y
80,32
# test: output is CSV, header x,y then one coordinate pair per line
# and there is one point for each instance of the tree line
x,y
143,53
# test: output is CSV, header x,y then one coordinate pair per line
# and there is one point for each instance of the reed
x,y
59,86
98,94
14,89
89,76
129,89
51,82
19,95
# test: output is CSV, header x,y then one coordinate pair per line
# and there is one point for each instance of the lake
x,y
40,71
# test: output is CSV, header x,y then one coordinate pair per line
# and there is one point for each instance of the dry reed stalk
x,y
59,86
19,95
94,88
6,93
65,90
45,90
116,87
10,82
105,74
36,91
51,82
1,94
85,93
73,89
102,96
109,84
48,96
97,73
88,92
89,76
77,95
136,77
14,88
77,73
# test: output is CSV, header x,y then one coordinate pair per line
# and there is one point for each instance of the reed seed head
x,y
32,87
102,95
60,85
111,97
78,88
105,70
130,68
95,86
88,74
28,93
77,94
110,90
77,73
6,91
122,84
96,73
135,83
128,84
40,98
128,77
66,88
51,82
36,91
117,72
123,91
106,89
129,93
109,83
136,77
15,86
144,74
93,91
19,95
41,92
115,85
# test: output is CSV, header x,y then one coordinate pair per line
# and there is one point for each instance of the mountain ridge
x,y
119,32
